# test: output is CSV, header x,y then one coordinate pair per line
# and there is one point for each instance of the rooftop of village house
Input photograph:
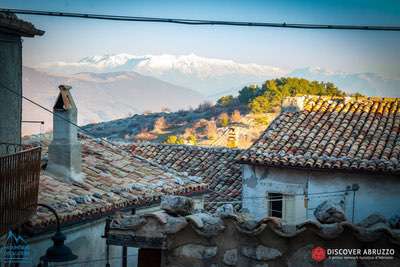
x,y
341,133
216,165
10,23
211,225
235,240
114,179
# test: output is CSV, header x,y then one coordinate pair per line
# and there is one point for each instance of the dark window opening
x,y
149,257
275,204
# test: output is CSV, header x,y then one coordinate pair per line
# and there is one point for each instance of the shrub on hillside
x,y
248,93
211,130
160,125
262,120
174,140
223,119
192,139
145,135
261,104
235,117
226,101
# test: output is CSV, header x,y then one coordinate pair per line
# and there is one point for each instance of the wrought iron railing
x,y
19,184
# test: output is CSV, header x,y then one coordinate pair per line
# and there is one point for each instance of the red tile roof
x,y
360,134
113,180
216,165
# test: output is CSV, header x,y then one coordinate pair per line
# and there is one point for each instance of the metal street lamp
x,y
58,252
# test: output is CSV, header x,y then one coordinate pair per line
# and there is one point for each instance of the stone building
x,y
12,30
176,237
111,180
345,150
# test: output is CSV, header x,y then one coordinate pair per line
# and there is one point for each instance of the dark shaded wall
x,y
11,77
201,240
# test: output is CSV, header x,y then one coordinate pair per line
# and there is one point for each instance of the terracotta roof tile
x,y
333,133
10,23
216,165
113,179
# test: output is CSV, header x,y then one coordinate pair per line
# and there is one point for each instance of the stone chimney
x,y
293,104
65,150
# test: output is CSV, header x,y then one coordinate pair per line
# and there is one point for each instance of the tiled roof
x,y
113,180
216,165
10,23
360,134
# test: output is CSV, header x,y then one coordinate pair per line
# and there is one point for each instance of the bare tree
x,y
160,125
236,116
211,130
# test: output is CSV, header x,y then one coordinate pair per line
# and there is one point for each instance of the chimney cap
x,y
64,87
64,100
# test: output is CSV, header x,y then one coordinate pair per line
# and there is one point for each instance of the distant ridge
x,y
215,77
102,96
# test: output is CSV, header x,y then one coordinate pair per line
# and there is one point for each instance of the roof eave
x,y
281,166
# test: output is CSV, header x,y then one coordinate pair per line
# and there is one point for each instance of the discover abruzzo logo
x,y
320,254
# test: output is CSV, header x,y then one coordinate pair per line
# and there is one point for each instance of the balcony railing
x,y
19,184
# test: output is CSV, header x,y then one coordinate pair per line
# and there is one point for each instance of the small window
x,y
149,257
275,205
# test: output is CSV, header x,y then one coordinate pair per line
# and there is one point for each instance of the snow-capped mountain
x,y
215,77
206,75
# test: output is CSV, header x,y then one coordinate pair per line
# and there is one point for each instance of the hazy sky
x,y
70,39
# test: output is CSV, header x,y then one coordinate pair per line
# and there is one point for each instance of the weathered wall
x,y
10,76
202,240
85,241
377,193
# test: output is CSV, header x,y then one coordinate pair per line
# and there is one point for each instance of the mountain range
x,y
102,96
215,77
206,75
109,87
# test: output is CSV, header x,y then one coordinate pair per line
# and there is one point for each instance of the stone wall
x,y
231,240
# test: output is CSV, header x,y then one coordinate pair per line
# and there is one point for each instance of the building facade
x,y
11,31
111,181
344,150
228,239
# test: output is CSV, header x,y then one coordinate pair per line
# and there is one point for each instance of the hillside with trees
x,y
268,97
248,114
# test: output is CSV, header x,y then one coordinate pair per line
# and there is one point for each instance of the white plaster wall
x,y
258,182
377,193
86,242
